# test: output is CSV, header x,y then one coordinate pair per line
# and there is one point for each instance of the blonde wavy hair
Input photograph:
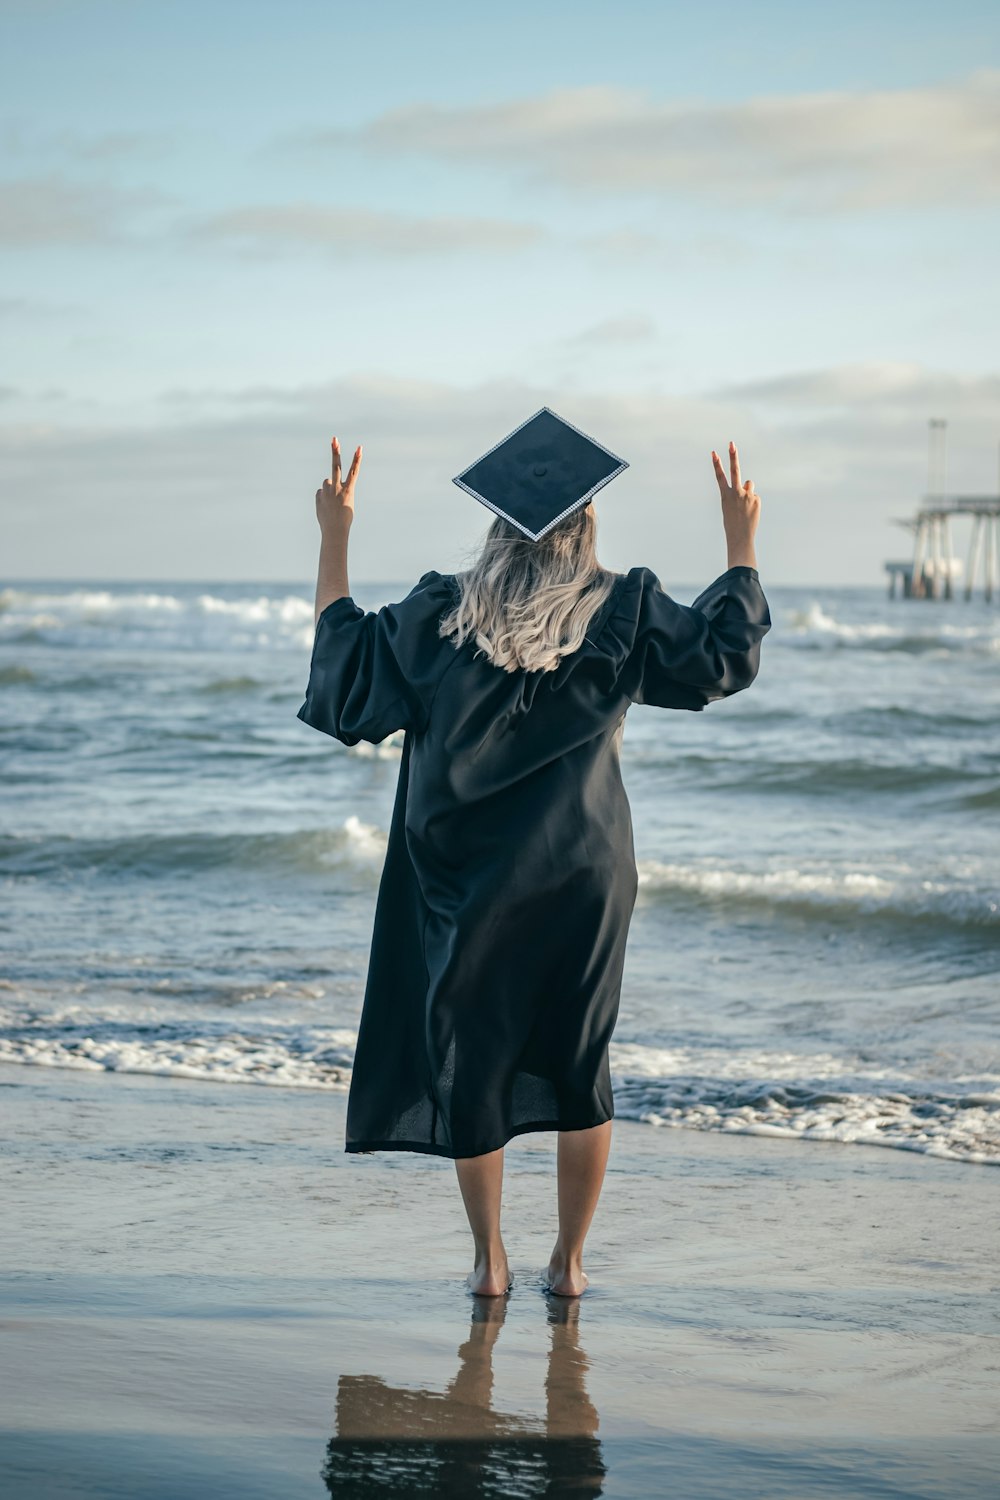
x,y
528,604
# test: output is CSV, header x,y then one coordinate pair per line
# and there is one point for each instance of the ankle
x,y
569,1256
490,1251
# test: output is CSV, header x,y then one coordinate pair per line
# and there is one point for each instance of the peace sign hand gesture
x,y
335,501
740,507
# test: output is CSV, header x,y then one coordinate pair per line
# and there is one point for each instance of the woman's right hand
x,y
335,501
740,509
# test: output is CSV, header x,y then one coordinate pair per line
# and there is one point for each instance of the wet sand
x,y
204,1295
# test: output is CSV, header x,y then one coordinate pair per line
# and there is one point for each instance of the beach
x,y
204,1294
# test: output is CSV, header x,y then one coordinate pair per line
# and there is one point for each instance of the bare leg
x,y
582,1158
481,1181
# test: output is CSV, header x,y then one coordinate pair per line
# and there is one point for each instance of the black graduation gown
x,y
509,877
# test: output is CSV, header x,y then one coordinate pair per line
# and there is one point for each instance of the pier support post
x,y
974,541
916,575
935,557
946,539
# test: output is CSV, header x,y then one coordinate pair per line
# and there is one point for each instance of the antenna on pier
x,y
937,457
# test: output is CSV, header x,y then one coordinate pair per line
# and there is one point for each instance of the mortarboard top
x,y
540,473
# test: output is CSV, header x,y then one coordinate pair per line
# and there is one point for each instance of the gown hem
x,y
431,1150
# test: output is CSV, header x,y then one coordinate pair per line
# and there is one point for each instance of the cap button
x,y
539,471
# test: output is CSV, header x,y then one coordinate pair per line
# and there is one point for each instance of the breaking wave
x,y
815,629
81,617
849,894
355,844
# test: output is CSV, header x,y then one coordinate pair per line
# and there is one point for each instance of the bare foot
x,y
491,1276
565,1278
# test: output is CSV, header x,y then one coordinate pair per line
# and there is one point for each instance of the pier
x,y
934,571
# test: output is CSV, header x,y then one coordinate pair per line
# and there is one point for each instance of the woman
x,y
510,878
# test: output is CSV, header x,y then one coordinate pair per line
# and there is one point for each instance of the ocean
x,y
189,873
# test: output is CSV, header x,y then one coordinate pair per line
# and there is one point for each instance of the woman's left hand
x,y
335,501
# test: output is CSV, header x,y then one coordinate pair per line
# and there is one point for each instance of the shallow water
x,y
815,950
202,1294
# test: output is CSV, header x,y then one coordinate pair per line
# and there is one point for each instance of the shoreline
x,y
897,1114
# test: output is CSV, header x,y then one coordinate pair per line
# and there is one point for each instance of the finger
x,y
734,465
336,459
720,473
352,472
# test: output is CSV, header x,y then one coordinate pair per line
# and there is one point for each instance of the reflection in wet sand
x,y
400,1442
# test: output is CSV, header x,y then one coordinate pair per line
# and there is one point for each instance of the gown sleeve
x,y
687,656
373,673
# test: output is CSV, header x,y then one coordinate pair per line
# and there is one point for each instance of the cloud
x,y
35,308
52,210
615,246
225,488
624,330
20,139
47,393
266,229
846,385
884,386
835,152
113,145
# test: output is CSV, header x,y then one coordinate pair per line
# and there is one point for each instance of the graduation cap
x,y
540,473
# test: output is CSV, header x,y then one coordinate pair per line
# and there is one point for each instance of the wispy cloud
x,y
57,210
624,330
836,152
54,210
34,143
264,230
888,384
31,309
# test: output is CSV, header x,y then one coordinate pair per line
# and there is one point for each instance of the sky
x,y
229,231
